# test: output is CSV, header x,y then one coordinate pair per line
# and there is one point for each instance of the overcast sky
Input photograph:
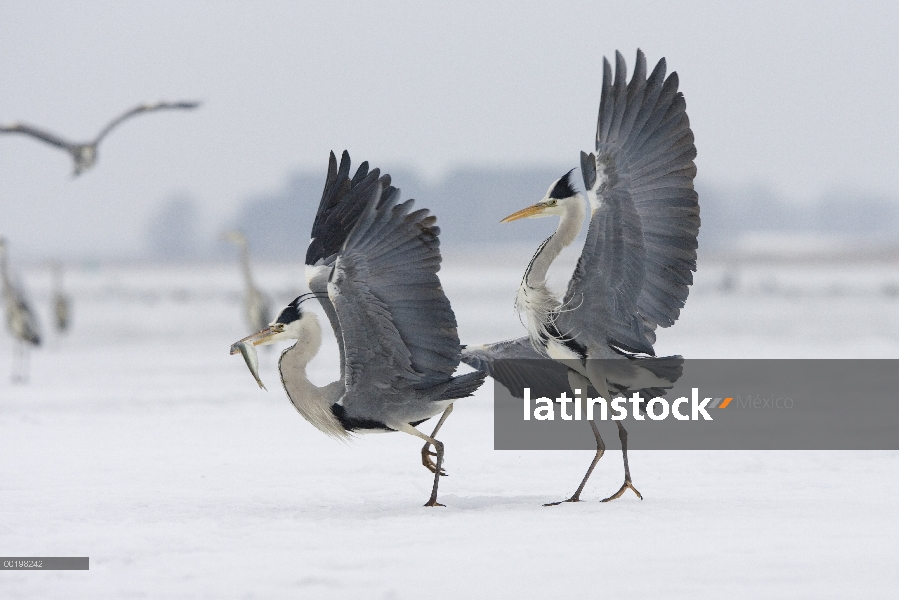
x,y
801,96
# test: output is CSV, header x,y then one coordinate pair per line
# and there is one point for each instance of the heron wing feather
x,y
394,255
516,365
638,261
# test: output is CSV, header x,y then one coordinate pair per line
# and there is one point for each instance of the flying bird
x,y
638,260
257,307
20,319
372,264
85,154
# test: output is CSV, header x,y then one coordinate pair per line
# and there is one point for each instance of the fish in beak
x,y
251,358
247,348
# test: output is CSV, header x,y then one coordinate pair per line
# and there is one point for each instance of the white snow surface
x,y
141,443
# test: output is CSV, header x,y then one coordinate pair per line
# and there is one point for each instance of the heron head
x,y
288,325
291,324
555,203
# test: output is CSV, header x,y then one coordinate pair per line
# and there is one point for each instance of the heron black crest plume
x,y
563,187
294,311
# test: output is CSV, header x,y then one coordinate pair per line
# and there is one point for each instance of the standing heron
x,y
636,266
85,153
62,304
257,307
378,261
20,319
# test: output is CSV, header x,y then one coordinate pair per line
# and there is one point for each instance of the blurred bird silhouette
x,y
257,307
61,303
20,319
85,153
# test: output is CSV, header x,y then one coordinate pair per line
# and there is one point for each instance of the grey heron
x,y
62,304
372,264
20,319
257,307
637,262
84,154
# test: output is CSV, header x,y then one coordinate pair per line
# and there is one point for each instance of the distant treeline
x,y
469,203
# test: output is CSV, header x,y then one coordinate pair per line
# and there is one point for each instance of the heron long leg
x,y
600,450
426,454
19,361
622,435
578,382
598,379
26,365
406,428
16,361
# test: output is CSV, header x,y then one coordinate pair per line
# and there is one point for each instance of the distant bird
x,y
637,263
62,304
85,154
257,307
377,260
20,319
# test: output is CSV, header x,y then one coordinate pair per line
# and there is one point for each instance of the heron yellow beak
x,y
526,213
260,337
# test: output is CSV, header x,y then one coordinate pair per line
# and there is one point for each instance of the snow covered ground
x,y
142,443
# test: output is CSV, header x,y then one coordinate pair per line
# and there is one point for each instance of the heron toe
x,y
429,464
572,499
624,487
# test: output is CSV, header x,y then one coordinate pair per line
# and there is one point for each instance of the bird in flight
x,y
85,154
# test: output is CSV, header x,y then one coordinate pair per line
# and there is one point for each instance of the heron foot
x,y
624,487
574,498
433,502
429,464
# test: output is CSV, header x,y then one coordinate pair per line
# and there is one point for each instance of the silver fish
x,y
248,350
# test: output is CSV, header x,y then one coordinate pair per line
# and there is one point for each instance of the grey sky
x,y
799,95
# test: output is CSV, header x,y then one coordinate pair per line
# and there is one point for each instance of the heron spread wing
x,y
37,133
396,322
637,263
142,109
342,203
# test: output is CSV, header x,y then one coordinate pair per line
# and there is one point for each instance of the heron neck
x,y
311,401
569,226
4,272
245,266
